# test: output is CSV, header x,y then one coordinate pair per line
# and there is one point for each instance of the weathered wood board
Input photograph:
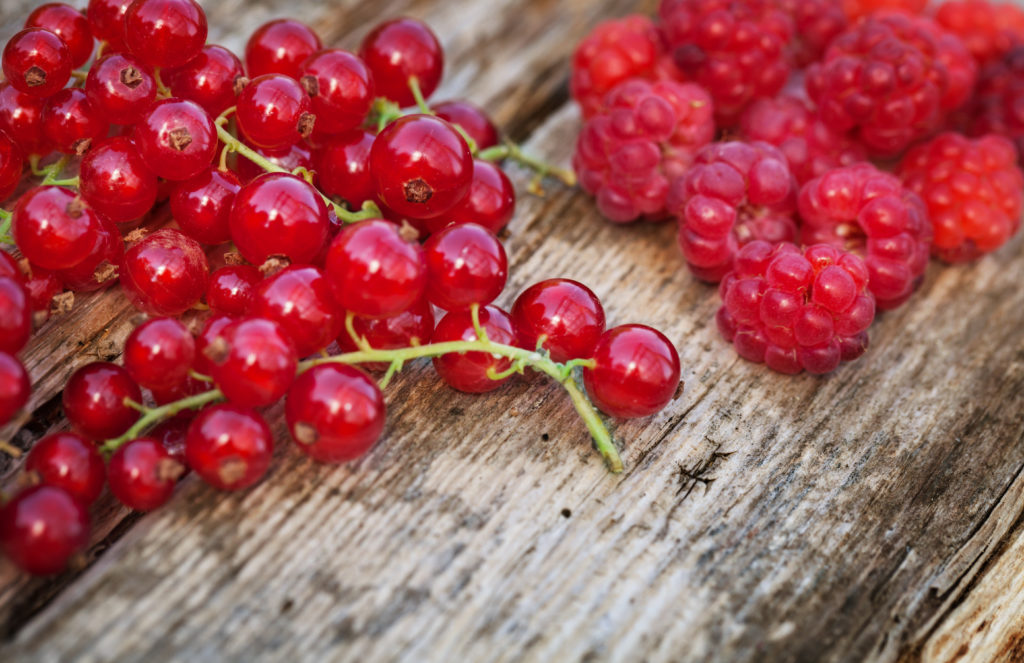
x,y
872,514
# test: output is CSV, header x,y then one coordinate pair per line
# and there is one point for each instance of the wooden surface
x,y
875,514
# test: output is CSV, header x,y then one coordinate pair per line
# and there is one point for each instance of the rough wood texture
x,y
873,514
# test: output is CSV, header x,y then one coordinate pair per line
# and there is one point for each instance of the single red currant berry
x,y
176,138
340,87
106,21
278,214
466,265
165,274
274,111
280,47
42,528
231,289
15,316
37,62
14,387
71,122
491,201
374,271
159,353
229,447
299,299
212,79
165,33
335,412
471,371
290,158
411,327
42,286
253,361
21,117
12,162
636,372
210,332
121,88
116,182
69,462
94,400
343,167
9,268
99,269
143,473
563,316
171,434
202,205
470,118
53,227
421,166
67,23
398,50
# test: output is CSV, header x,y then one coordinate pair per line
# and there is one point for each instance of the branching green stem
x,y
511,151
152,416
162,90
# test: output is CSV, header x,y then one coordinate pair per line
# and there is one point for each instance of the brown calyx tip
x,y
231,470
310,84
62,303
305,434
104,272
233,258
418,191
217,351
136,235
179,138
273,265
408,232
168,469
305,126
239,84
35,76
81,146
75,208
131,77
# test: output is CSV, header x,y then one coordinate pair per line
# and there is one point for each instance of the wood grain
x,y
872,514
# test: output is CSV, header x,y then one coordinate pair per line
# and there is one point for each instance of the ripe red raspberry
x,y
870,213
791,124
998,102
987,29
815,24
735,49
627,155
890,77
734,193
796,310
857,8
973,189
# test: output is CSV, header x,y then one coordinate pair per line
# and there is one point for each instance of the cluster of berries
x,y
814,153
343,214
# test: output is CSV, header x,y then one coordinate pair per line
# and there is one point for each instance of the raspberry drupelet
x,y
627,156
796,310
815,24
987,29
973,189
857,8
997,105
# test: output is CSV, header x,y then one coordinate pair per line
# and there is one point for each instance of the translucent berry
x,y
159,353
815,24
212,79
202,205
635,373
413,326
94,400
340,87
12,162
470,118
491,201
106,21
143,474
561,315
988,29
253,362
165,33
471,371
177,139
280,47
121,88
71,122
14,386
299,299
998,102
229,447
343,167
42,528
231,289
37,62
42,285
399,49
274,111
208,335
116,182
165,274
466,265
53,227
278,214
100,267
69,462
15,316
67,23
21,118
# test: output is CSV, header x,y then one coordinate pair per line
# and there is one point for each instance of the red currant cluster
x,y
752,122
343,211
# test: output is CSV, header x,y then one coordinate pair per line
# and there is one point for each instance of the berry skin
x,y
159,353
41,528
21,118
231,289
871,214
857,8
343,167
14,387
468,371
121,88
116,182
53,227
280,47
988,29
142,474
299,299
165,274
37,62
278,214
340,87
815,24
636,372
9,268
71,122
229,447
998,103
562,315
202,205
106,21
399,49
734,193
42,286
94,400
413,326
67,23
253,362
646,137
69,462
796,310
15,316
212,79
12,162
973,189
165,33
171,434
470,118
99,269
335,413
373,271
421,166
791,124
208,335
491,201
177,139
466,265
274,112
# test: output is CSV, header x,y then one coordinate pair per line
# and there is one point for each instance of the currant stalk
x,y
5,227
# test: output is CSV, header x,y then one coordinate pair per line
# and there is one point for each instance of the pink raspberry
x,y
627,155
735,49
863,210
791,124
973,189
796,310
815,24
857,8
998,103
987,29
733,194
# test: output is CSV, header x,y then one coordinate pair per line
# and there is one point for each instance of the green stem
x,y
510,150
162,90
53,171
602,439
5,227
417,94
151,417
70,182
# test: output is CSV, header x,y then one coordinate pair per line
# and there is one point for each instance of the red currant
x,y
94,400
472,119
278,214
42,286
280,47
14,387
202,205
343,167
253,362
121,88
563,316
299,299
165,33
165,274
15,316
9,268
274,111
159,353
171,433
210,332
21,117
341,89
143,473
69,462
411,327
636,372
469,371
53,227
491,201
67,23
116,182
12,162
37,62
231,289
212,79
466,265
229,447
99,269
42,528
106,20
399,49
71,122
177,139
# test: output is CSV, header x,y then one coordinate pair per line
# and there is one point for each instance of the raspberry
x,y
973,189
987,29
735,49
791,124
815,23
734,193
998,102
857,8
627,155
863,210
796,310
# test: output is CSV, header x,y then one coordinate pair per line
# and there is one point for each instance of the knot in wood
x,y
418,191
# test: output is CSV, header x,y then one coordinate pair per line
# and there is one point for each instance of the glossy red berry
x,y
212,79
9,267
253,362
469,371
343,167
15,315
42,528
70,462
229,447
858,8
636,372
491,201
421,166
466,265
12,162
202,205
278,214
470,118
121,88
116,182
413,326
563,316
37,62
21,118
159,353
94,400
280,47
177,139
274,111
53,227
142,474
106,21
165,33
67,23
299,299
42,285
340,87
171,434
208,334
100,268
165,274
231,289
399,49
14,386
71,122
